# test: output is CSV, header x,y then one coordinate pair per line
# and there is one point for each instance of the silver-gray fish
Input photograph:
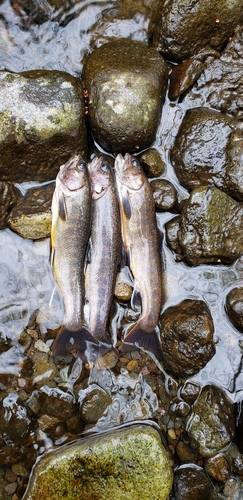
x,y
71,220
141,241
105,246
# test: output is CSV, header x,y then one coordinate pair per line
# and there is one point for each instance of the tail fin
x,y
139,338
102,355
67,340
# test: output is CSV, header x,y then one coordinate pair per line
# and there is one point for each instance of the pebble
x,y
132,365
11,488
10,476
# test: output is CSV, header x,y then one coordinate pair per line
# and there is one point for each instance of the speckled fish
x,y
105,246
141,242
71,218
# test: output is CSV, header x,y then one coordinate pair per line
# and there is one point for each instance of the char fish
x,y
71,219
141,242
105,246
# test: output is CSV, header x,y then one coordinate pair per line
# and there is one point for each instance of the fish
x,y
142,247
105,248
70,232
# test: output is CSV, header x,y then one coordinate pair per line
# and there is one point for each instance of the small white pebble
x,y
41,346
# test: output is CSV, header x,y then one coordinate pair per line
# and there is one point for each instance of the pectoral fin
x,y
62,207
126,206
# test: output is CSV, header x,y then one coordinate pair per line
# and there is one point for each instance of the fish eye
x,y
135,162
105,167
81,165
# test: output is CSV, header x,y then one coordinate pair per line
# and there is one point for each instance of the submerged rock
x,y
191,483
211,425
126,83
187,337
188,27
208,151
42,124
210,228
234,307
130,463
31,218
9,196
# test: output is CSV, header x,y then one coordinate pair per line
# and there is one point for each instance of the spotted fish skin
x,y
141,242
105,246
71,221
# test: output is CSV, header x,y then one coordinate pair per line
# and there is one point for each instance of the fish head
x,y
73,175
129,171
101,176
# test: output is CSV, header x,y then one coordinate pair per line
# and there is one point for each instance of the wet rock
x,y
52,426
208,152
183,76
93,404
42,124
184,453
191,483
31,218
190,391
126,83
57,403
152,163
129,462
187,337
218,468
220,85
190,27
164,194
9,196
211,424
15,423
210,228
234,307
123,291
172,227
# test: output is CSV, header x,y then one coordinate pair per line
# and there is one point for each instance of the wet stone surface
x,y
187,337
195,395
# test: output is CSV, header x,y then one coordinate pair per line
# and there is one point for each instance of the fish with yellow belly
x,y
141,242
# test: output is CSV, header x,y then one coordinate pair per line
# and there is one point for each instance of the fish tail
x,y
139,338
68,340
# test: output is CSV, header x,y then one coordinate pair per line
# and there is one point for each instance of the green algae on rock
x,y
31,217
42,123
129,463
209,229
126,82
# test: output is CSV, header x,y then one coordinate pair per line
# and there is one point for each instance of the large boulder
x,y
189,26
42,123
128,463
208,150
209,229
126,83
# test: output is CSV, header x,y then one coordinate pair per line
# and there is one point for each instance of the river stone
x,y
210,228
211,425
152,163
130,463
164,194
191,483
188,27
234,307
187,337
42,123
220,86
208,150
9,196
126,82
31,217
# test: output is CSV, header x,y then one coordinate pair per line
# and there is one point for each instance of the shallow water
x,y
60,42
